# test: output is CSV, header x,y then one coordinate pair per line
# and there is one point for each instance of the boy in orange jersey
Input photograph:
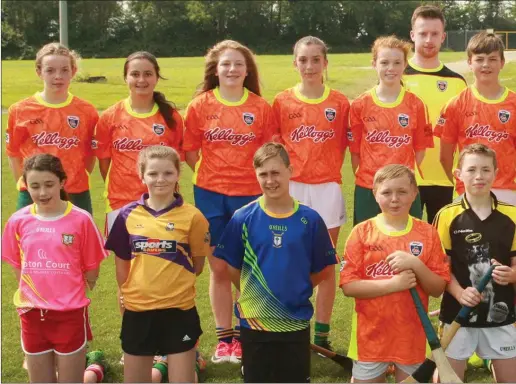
x,y
483,113
389,125
384,257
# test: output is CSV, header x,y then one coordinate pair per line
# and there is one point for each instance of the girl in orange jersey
x,y
389,125
145,118
54,121
227,122
313,121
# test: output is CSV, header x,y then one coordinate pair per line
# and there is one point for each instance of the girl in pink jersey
x,y
313,121
55,250
225,124
54,121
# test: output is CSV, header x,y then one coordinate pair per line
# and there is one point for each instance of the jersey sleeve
x,y
94,119
423,137
231,246
443,230
118,239
438,261
356,126
192,140
101,143
92,246
276,113
179,134
199,236
447,127
15,136
323,251
271,124
345,107
351,269
10,245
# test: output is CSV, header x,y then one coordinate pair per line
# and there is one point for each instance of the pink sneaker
x,y
222,353
236,352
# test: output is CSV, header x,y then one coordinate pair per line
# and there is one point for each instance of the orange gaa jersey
x,y
64,130
120,135
227,134
314,132
387,328
470,118
387,133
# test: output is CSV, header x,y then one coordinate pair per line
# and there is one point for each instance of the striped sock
x,y
322,331
236,333
224,334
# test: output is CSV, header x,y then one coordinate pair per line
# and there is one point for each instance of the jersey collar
x,y
176,203
465,203
305,99
477,95
65,103
427,70
218,96
278,215
381,227
394,104
129,109
43,218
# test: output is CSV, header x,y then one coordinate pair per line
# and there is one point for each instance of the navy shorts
x,y
218,209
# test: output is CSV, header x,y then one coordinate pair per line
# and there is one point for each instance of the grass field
x,y
19,80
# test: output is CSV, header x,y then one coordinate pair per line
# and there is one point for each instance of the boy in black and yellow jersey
x,y
435,84
476,232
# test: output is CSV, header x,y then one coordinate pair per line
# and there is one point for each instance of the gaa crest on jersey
x,y
7,137
504,116
159,129
403,120
442,85
67,239
73,121
94,144
330,114
416,248
169,227
248,118
277,240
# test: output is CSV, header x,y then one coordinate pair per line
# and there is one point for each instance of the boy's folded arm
x,y
433,284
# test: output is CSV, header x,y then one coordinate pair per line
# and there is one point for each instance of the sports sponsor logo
x,y
154,246
330,114
73,121
342,265
349,135
159,129
125,144
94,144
381,268
227,134
416,248
442,85
504,116
212,117
385,137
309,132
43,138
484,131
45,265
248,118
462,231
508,349
403,119
294,115
369,119
473,238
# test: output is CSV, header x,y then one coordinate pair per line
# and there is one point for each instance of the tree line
x,y
188,28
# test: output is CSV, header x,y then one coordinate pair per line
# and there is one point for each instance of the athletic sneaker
x,y
222,353
236,352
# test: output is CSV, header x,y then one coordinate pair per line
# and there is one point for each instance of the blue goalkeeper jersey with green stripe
x,y
276,255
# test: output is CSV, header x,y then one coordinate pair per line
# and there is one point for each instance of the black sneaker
x,y
326,345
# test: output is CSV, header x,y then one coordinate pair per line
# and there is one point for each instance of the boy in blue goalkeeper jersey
x,y
277,251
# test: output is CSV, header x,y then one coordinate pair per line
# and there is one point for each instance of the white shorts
x,y
504,195
110,220
488,343
369,370
326,199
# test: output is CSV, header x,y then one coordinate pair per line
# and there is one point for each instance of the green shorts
x,y
366,207
81,200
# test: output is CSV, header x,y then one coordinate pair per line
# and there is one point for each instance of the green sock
x,y
322,332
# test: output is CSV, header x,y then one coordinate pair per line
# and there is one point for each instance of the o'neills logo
x,y
125,144
483,131
309,132
382,268
385,137
227,134
61,142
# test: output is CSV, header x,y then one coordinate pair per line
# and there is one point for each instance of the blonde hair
x,y
486,43
477,149
158,152
268,151
391,172
211,81
391,42
59,50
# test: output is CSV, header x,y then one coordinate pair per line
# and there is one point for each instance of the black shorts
x,y
275,357
434,197
160,331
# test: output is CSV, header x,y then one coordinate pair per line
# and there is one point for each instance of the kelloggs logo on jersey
x,y
54,138
382,268
483,131
124,144
309,132
385,137
154,246
227,134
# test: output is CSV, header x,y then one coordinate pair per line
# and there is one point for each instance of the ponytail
x,y
64,195
166,108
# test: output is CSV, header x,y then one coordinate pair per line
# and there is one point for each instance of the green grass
x,y
19,80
